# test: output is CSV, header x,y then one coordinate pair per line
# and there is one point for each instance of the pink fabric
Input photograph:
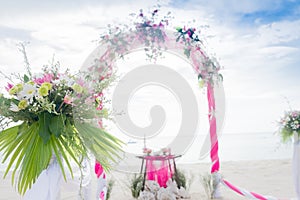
x,y
236,189
151,171
163,174
98,169
102,195
160,172
213,130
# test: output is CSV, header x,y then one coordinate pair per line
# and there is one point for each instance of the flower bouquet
x,y
289,124
54,114
290,128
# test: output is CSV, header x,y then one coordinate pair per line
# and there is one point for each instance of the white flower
x,y
183,193
28,92
13,107
164,194
146,195
152,186
64,79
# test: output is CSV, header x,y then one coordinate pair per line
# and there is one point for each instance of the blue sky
x,y
256,41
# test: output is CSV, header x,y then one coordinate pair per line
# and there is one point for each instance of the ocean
x,y
232,147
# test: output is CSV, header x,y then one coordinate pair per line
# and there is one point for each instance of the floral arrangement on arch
x,y
153,34
54,114
289,124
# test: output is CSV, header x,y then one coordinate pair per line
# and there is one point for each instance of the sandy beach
x,y
266,177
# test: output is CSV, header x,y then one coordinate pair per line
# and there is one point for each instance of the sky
x,y
256,42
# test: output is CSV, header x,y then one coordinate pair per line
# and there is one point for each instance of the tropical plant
x,y
51,115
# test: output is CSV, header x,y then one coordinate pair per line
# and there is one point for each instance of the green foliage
x,y
287,135
180,179
30,153
210,183
136,185
289,124
111,183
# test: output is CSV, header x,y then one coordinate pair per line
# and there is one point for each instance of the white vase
x,y
296,164
48,184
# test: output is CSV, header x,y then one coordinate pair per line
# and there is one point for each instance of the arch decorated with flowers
x,y
154,37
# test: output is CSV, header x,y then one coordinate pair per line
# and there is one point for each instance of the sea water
x,y
232,147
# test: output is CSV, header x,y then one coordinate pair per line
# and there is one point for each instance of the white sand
x,y
272,177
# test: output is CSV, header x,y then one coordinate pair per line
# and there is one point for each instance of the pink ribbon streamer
x,y
98,169
102,178
242,192
215,147
213,130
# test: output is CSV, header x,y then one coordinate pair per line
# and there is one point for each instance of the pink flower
x,y
46,78
80,82
68,100
9,86
147,151
99,95
100,123
100,106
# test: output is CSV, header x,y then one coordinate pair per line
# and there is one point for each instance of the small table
x,y
167,158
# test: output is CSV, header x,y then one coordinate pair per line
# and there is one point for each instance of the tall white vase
x,y
48,184
296,164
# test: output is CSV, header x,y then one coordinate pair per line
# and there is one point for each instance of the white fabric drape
x,y
296,165
48,184
101,187
80,186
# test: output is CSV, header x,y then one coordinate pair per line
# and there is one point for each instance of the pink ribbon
x,y
98,169
242,192
102,195
102,179
213,130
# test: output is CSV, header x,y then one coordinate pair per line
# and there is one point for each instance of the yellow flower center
x,y
43,91
22,104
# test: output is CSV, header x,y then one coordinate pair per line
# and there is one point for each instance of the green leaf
x,y
199,76
56,125
104,146
28,154
179,29
26,79
187,52
44,131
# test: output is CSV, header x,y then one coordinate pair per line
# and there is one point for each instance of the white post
x,y
296,164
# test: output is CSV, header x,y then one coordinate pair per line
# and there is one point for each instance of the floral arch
x,y
155,39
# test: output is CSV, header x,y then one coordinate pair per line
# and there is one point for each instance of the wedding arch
x,y
151,35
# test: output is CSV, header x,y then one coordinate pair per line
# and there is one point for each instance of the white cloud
x,y
254,56
279,32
